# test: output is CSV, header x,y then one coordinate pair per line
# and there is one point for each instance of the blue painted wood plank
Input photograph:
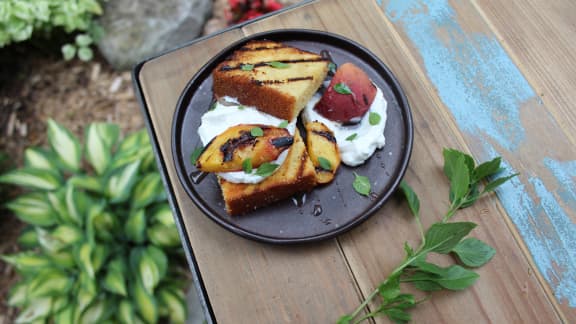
x,y
486,93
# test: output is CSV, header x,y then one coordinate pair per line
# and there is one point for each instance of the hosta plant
x,y
101,245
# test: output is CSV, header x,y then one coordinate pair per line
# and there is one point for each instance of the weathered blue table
x,y
491,77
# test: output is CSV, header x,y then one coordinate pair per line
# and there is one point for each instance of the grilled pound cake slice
x,y
295,175
275,78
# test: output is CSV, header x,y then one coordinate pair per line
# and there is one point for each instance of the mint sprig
x,y
468,183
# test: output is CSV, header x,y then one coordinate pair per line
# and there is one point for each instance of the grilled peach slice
x,y
322,150
348,97
228,151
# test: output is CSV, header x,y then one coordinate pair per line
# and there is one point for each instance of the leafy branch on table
x,y
443,237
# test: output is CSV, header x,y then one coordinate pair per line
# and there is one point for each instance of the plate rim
x,y
186,94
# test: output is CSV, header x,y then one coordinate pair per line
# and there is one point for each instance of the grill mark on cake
x,y
260,48
263,82
326,135
226,67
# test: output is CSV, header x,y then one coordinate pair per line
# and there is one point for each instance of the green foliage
x,y
21,19
101,245
442,237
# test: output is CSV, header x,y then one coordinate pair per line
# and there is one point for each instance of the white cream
x,y
222,117
368,138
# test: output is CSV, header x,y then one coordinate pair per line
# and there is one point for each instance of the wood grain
x,y
249,282
246,282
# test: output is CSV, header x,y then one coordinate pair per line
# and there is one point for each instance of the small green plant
x,y
101,245
21,19
442,237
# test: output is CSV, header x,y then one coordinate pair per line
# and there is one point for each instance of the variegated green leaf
x,y
87,182
73,205
59,303
121,182
99,255
148,190
164,236
58,202
65,144
160,259
149,272
135,226
134,147
27,261
94,313
163,215
85,296
49,282
68,234
84,257
32,178
63,259
145,302
47,241
177,310
98,148
126,312
114,281
37,309
34,209
36,158
105,226
28,238
65,315
94,212
18,295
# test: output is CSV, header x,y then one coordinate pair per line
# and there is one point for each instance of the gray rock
x,y
138,29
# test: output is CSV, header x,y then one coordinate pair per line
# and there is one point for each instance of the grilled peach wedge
x,y
349,95
322,150
230,150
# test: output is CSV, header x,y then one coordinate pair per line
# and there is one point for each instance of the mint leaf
x,y
212,106
397,315
283,124
332,67
342,88
278,65
390,289
247,165
196,154
491,186
487,169
352,137
325,163
241,107
451,157
346,319
374,118
473,252
460,181
457,278
411,197
266,169
247,67
361,184
256,132
443,237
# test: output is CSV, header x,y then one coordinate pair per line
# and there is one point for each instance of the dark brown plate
x,y
328,210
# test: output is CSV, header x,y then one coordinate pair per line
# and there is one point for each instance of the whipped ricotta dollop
x,y
368,137
223,116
